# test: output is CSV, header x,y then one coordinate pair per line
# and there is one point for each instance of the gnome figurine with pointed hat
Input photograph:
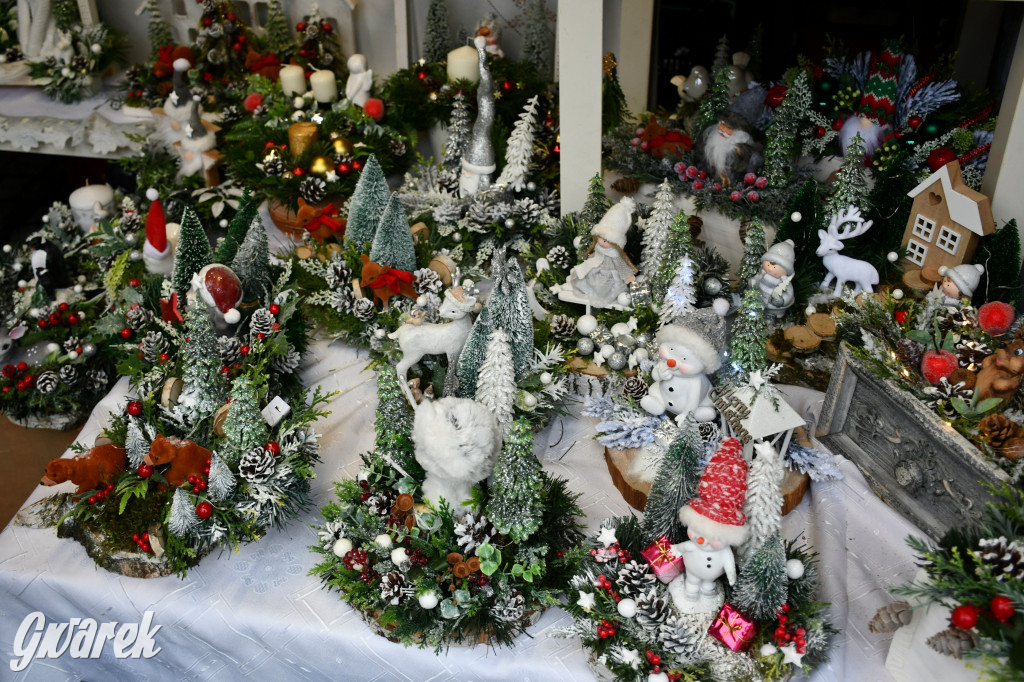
x,y
177,107
197,140
606,272
478,158
715,523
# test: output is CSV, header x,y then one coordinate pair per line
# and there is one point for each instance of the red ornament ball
x,y
21,385
252,102
274,309
92,499
244,350
134,408
297,171
344,168
54,319
837,124
749,179
753,196
42,324
74,319
164,357
735,195
374,108
940,157
995,317
937,365
204,510
777,93
326,27
819,131
63,307
1002,608
301,26
964,616
9,371
761,182
126,333
357,164
22,366
273,448
134,282
915,122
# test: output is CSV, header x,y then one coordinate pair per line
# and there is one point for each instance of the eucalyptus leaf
x,y
920,336
462,596
449,610
987,404
406,485
960,405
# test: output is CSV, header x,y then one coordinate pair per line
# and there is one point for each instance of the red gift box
x,y
664,563
733,629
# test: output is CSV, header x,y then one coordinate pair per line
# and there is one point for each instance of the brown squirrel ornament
x,y
1000,374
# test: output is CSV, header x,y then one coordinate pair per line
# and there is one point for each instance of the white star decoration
x,y
586,600
756,381
598,359
188,130
331,176
607,537
631,657
790,655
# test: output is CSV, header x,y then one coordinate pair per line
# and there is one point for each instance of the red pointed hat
x,y
156,223
717,511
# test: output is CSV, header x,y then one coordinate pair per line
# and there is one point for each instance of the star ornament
x,y
169,310
586,600
189,130
331,176
756,381
790,655
607,537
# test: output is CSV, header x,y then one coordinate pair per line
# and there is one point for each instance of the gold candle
x,y
300,136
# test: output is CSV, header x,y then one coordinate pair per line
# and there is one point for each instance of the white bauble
x,y
892,256
428,600
545,378
641,354
624,299
810,310
657,677
52,348
607,350
298,103
530,400
794,569
7,248
33,312
342,546
586,324
79,289
627,608
73,355
399,556
767,649
421,301
22,284
897,294
379,333
81,279
81,314
299,116
383,541
796,216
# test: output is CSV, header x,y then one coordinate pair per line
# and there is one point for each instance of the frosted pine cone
x,y
152,345
313,189
560,256
473,530
891,617
379,503
72,343
563,326
651,610
510,609
342,300
339,274
98,380
396,147
909,352
68,375
634,578
363,309
257,465
448,212
394,589
261,322
287,363
1005,559
527,211
427,281
953,642
635,388
230,349
47,382
273,165
138,317
677,637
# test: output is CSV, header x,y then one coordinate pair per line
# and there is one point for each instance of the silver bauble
x,y
642,339
625,340
617,360
712,285
585,346
89,350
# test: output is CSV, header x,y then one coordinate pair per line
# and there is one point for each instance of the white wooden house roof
x,y
963,208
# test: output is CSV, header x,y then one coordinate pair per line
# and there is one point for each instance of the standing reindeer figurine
x,y
444,338
843,268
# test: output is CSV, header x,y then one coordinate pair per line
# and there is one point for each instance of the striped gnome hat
x,y
880,88
717,511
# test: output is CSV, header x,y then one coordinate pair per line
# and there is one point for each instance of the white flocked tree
x,y
520,148
656,231
496,383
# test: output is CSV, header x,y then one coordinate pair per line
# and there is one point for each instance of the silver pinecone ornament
x,y
891,617
138,317
257,465
68,375
47,382
230,350
363,309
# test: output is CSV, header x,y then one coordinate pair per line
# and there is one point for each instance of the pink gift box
x,y
664,563
733,629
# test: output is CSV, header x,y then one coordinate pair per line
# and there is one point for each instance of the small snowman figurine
x,y
958,282
687,352
715,523
775,281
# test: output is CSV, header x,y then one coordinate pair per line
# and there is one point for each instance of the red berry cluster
x,y
355,559
59,317
142,541
101,494
655,660
19,374
606,629
199,483
786,633
605,584
478,580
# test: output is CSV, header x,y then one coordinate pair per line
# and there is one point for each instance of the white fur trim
x,y
479,170
703,526
150,250
708,356
152,194
232,316
720,306
181,64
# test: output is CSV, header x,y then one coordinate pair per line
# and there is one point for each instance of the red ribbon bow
x,y
264,62
390,278
326,216
670,136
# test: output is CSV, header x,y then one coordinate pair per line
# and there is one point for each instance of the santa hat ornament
x,y
615,223
717,511
156,252
219,288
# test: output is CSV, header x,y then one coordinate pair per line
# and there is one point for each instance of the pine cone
x,y
957,323
651,610
98,380
338,274
313,189
634,578
563,326
1004,558
130,222
379,503
998,429
342,300
261,322
560,256
709,432
138,317
970,353
510,609
257,465
152,345
527,211
635,388
448,212
394,589
953,642
677,637
287,363
891,617
68,375
72,343
909,352
230,350
427,282
273,165
363,309
47,382
396,147
1012,449
473,530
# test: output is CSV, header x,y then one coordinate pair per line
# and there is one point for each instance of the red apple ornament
x,y
940,157
937,365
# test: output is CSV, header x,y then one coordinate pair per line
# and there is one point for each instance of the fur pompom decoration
x,y
995,317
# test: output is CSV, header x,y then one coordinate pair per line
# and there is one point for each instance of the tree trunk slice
x,y
822,325
794,485
444,266
803,339
303,252
171,392
588,367
774,354
620,462
914,280
930,275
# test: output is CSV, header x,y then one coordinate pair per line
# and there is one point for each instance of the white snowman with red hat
x,y
715,523
218,287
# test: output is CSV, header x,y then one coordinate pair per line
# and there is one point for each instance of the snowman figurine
x,y
688,351
715,523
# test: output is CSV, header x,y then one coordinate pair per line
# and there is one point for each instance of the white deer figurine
x,y
845,225
443,338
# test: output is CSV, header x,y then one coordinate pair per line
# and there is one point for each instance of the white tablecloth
x,y
256,614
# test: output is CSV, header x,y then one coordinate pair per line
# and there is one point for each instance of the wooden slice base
x,y
822,325
930,274
914,280
803,339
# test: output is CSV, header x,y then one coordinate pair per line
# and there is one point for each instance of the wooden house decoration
x,y
947,220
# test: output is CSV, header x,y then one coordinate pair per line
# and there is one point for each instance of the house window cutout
x,y
178,8
924,228
916,252
934,199
948,241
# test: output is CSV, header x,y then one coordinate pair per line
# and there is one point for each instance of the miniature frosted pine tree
x,y
158,31
496,383
473,354
762,586
753,248
276,30
763,504
252,262
675,484
678,244
183,519
369,199
851,183
722,56
782,132
459,127
509,308
656,231
680,297
392,244
435,38
715,102
596,205
221,480
244,427
239,227
205,389
537,40
515,502
749,334
192,254
519,152
393,424
135,443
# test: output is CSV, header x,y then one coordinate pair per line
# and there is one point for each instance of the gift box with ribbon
x,y
733,629
664,563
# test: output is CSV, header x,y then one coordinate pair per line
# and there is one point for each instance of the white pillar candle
x,y
462,64
293,80
90,204
324,85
